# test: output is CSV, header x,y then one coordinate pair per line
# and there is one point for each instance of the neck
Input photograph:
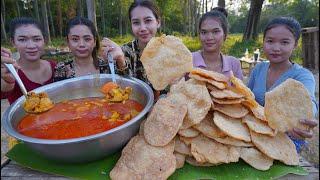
x,y
141,46
211,57
84,62
25,64
280,67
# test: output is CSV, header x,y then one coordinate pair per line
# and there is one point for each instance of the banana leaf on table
x,y
100,169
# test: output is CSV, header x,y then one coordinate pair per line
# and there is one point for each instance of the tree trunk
x,y
206,5
45,19
36,9
3,30
253,20
91,10
53,32
103,20
59,14
222,3
18,8
3,12
202,6
120,21
79,8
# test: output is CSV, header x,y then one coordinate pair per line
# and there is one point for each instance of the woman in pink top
x,y
28,38
213,30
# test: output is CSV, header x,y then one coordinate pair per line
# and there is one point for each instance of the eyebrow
x,y
136,19
87,35
23,36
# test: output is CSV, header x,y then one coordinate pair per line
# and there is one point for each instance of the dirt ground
x,y
311,153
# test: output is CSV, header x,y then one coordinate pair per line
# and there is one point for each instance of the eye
x,y
203,32
74,39
37,39
285,42
216,31
269,41
87,39
135,22
22,39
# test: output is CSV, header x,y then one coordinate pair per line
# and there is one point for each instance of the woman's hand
x,y
6,57
108,46
302,134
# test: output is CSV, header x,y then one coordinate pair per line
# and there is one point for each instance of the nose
x,y
82,42
209,36
143,26
30,44
276,47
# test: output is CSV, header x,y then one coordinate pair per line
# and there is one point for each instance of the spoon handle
x,y
16,76
111,65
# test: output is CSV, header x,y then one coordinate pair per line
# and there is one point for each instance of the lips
x,y
32,53
82,51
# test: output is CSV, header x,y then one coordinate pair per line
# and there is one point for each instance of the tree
x,y
18,8
91,10
51,19
253,20
36,9
222,3
3,30
59,18
103,19
44,13
79,8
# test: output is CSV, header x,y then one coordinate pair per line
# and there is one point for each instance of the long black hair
x,y
84,21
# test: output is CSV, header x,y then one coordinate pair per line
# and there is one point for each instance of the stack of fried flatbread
x,y
205,121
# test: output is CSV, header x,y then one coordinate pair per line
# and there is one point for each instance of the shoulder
x,y
63,64
128,46
299,72
196,55
231,60
260,66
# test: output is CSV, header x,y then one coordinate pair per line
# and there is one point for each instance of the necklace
x,y
215,65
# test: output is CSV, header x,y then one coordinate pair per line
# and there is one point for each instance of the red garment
x,y
13,95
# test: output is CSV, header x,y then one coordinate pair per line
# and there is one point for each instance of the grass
x,y
232,46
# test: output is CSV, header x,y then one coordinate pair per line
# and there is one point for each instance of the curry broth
x,y
78,118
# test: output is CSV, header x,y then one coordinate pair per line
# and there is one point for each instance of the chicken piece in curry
x,y
37,103
114,93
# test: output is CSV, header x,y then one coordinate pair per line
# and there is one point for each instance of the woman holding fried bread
x,y
281,37
145,20
213,30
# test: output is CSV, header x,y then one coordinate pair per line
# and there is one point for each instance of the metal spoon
x,y
111,66
16,76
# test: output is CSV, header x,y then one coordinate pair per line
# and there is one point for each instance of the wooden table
x,y
12,170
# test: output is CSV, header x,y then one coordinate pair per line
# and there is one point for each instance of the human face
x,y
81,41
211,35
144,24
278,44
29,42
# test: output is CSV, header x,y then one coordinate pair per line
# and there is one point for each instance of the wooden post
x,y
310,48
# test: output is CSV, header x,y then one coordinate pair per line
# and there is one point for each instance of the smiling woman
x,y
83,41
29,40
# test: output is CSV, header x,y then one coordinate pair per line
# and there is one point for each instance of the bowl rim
x,y
6,122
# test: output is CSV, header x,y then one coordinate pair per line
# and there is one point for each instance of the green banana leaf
x,y
100,169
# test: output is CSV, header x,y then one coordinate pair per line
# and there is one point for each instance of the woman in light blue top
x,y
280,38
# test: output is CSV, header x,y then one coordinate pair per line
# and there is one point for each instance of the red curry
x,y
78,118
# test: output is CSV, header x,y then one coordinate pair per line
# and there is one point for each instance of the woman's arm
x,y
7,80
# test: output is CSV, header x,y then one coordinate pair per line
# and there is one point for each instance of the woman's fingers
x,y
6,52
303,133
311,123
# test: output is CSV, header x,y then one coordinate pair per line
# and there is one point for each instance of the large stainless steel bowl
x,y
87,148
